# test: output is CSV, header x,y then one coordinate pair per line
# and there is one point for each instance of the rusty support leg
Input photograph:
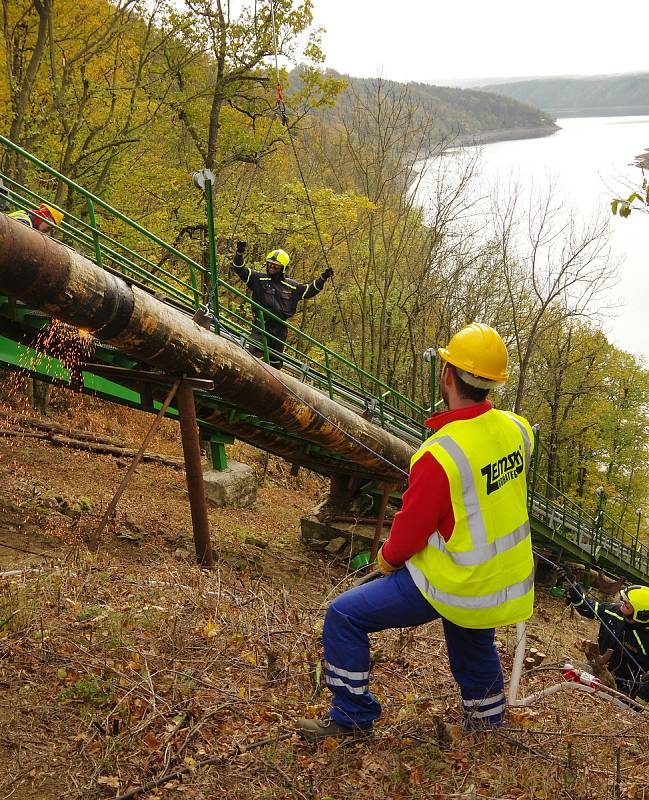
x,y
194,472
379,522
93,544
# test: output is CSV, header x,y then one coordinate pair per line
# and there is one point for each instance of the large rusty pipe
x,y
51,277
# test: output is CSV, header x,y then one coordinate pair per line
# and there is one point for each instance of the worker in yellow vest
x,y
459,550
43,218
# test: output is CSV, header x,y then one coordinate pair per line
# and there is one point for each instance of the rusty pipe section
x,y
51,277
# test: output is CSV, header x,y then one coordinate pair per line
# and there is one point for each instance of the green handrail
x,y
81,236
329,370
591,530
387,396
96,200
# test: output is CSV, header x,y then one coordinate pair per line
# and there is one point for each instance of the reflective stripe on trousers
x,y
354,682
487,710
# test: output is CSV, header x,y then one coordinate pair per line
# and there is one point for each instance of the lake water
x,y
590,159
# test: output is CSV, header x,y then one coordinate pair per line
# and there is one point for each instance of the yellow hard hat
x,y
478,350
280,257
56,215
638,597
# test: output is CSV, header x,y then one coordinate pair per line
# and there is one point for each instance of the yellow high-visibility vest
x,y
22,216
483,577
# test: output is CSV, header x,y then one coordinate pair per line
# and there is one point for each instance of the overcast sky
x,y
428,40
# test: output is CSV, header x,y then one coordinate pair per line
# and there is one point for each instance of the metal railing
x,y
595,535
127,248
123,246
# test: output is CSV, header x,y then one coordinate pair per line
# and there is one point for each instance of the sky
x,y
432,41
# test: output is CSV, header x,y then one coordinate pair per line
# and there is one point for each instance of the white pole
x,y
517,667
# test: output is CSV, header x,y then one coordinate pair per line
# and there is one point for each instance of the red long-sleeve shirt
x,y
426,505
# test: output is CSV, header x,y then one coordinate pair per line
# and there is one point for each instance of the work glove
x,y
384,566
328,273
574,593
563,576
242,246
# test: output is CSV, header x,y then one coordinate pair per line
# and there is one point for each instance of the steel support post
x,y
194,473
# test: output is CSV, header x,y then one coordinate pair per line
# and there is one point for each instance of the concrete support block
x,y
234,487
329,537
337,545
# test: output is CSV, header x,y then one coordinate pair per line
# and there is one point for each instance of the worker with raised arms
x,y
276,292
459,549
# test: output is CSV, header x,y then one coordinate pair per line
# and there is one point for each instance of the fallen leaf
x,y
211,629
108,780
151,740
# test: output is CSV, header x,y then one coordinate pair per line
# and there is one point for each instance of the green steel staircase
x,y
122,246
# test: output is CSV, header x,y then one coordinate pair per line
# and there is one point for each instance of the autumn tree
x,y
550,263
395,263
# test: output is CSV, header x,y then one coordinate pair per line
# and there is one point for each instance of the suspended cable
x,y
282,111
242,206
272,20
326,258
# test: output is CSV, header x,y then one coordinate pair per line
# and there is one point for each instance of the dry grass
x,y
120,667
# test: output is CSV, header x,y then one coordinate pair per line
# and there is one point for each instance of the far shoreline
x,y
502,135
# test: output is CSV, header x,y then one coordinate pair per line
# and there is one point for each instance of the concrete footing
x,y
234,487
339,539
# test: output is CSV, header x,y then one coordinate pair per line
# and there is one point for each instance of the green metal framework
x,y
159,267
128,249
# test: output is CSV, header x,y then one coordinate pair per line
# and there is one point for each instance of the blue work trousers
x,y
395,602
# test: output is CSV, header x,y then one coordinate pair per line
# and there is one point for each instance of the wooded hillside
x,y
457,112
608,94
129,99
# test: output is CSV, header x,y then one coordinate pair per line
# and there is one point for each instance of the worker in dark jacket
x,y
275,292
624,628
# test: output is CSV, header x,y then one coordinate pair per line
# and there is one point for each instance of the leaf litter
x,y
122,667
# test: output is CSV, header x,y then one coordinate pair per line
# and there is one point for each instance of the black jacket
x,y
278,294
616,633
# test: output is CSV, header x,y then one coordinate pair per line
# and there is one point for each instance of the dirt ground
x,y
128,664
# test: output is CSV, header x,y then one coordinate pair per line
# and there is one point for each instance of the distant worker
x,y
459,550
275,292
624,628
43,218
